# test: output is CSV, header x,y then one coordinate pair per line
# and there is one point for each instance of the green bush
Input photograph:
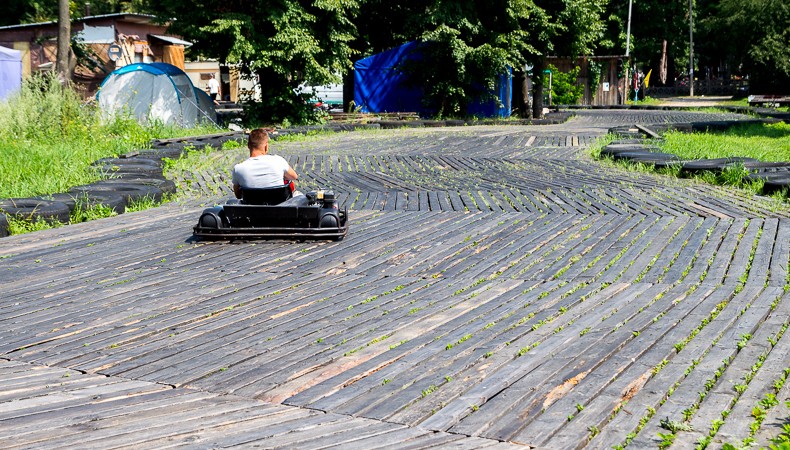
x,y
564,90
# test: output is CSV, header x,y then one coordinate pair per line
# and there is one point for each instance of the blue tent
x,y
10,71
154,91
380,86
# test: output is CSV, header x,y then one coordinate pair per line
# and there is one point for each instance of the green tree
x,y
468,46
564,28
283,44
469,43
758,41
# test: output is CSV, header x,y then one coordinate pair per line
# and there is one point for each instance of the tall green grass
x,y
760,141
49,137
765,142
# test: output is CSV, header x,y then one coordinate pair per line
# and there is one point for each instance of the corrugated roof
x,y
171,40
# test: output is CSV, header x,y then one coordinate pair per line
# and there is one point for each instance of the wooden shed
x,y
133,37
608,89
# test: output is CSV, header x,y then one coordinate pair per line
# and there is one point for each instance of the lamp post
x,y
691,48
627,53
628,30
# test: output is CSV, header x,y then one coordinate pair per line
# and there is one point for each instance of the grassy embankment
x,y
49,138
762,142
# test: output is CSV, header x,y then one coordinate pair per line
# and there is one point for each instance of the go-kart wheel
x,y
329,220
213,219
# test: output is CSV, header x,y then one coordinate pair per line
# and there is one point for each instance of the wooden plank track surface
x,y
65,408
497,289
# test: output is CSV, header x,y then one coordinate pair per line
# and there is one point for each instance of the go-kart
x,y
274,213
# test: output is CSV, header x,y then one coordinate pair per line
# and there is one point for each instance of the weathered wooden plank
x,y
763,252
599,407
780,258
724,354
675,371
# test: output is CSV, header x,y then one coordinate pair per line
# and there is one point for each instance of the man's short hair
x,y
258,138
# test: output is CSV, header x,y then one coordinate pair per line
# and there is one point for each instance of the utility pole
x,y
628,31
627,64
691,48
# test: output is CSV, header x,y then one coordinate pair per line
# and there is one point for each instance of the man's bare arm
x,y
290,174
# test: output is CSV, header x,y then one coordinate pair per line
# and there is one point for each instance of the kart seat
x,y
265,196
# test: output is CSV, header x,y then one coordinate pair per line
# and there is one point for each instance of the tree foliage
x,y
758,41
466,47
283,44
33,11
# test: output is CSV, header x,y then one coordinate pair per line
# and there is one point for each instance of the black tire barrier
x,y
776,182
632,141
167,146
128,190
4,228
164,185
121,175
713,165
772,180
354,126
161,153
390,124
767,166
627,132
35,208
671,162
135,160
65,198
711,126
109,169
655,159
90,198
643,155
615,150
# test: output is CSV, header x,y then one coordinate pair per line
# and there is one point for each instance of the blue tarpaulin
x,y
10,71
380,86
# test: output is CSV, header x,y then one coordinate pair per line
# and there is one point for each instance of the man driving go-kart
x,y
262,170
268,207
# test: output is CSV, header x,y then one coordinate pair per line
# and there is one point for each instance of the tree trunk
x,y
521,95
348,92
537,89
64,42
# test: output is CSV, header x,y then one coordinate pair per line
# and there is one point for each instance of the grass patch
x,y
648,100
766,142
49,137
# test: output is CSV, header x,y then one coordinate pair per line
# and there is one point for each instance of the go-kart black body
x,y
272,213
